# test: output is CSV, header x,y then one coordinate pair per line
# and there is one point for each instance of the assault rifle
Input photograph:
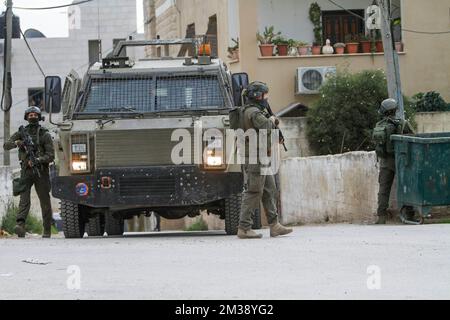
x,y
269,110
31,150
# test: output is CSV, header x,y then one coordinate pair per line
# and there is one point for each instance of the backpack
x,y
382,132
237,118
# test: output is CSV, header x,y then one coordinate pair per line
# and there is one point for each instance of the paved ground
x,y
315,262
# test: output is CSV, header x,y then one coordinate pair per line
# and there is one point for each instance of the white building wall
x,y
291,17
58,56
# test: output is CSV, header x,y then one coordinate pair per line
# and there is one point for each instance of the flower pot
x,y
266,50
352,47
282,49
303,51
235,54
316,50
340,50
366,46
399,47
379,46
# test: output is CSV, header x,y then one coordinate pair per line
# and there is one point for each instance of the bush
x,y
198,225
343,118
32,225
430,102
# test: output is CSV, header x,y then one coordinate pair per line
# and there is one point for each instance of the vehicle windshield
x,y
152,94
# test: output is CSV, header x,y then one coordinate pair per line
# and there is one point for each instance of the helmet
x,y
33,109
256,89
387,106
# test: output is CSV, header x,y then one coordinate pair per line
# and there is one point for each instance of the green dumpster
x,y
423,171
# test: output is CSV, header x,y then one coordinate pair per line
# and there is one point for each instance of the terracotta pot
x,y
316,50
352,47
379,45
303,51
340,50
282,49
366,45
266,50
399,47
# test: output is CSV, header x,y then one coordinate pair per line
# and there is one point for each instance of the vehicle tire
x,y
232,212
94,226
113,226
72,218
257,224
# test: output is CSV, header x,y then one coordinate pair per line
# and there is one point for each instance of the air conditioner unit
x,y
310,79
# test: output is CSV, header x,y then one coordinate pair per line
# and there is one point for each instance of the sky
x,y
53,23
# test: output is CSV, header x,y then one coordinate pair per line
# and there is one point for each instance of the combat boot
x,y
20,229
381,220
277,229
248,234
47,232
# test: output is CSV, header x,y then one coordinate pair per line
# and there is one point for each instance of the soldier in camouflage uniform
x,y
42,139
258,187
387,164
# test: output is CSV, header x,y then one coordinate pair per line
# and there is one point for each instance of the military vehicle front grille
x,y
144,186
132,148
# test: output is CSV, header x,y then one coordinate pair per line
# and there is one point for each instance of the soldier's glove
x,y
19,143
275,121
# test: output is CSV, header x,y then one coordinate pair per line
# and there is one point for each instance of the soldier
x,y
258,187
45,153
385,153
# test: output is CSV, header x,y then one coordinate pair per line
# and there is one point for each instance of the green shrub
x,y
343,118
32,225
198,225
430,102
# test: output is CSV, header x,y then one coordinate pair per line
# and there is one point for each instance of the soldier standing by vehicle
x,y
258,186
35,154
384,148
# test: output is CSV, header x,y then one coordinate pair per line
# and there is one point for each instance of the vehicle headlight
x,y
213,155
79,155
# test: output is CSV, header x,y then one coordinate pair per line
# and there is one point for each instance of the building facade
x,y
424,62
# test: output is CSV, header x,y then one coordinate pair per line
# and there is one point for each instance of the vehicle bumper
x,y
162,186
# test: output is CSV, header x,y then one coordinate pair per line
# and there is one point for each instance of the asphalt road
x,y
315,262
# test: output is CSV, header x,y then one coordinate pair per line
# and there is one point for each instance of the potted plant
x,y
340,47
366,43
303,47
293,48
379,41
266,40
233,52
315,14
397,23
351,43
282,45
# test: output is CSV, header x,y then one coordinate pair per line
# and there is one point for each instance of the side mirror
x,y
240,82
53,94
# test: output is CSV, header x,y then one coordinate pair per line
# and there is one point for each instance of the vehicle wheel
x,y
257,220
113,226
232,212
94,226
73,222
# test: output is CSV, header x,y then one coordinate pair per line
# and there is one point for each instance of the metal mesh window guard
x,y
119,95
138,94
188,92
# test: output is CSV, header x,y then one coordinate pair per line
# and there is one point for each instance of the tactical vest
x,y
382,132
37,135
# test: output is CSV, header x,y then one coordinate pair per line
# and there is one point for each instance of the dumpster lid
x,y
423,138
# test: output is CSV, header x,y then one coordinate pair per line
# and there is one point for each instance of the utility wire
x,y
55,7
32,53
406,30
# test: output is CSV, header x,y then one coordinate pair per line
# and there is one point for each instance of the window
x,y
337,24
94,51
188,92
36,98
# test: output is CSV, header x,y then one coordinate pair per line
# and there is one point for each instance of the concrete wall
x,y
429,122
340,188
294,131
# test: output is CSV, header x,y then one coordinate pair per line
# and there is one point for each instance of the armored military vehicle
x,y
118,139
